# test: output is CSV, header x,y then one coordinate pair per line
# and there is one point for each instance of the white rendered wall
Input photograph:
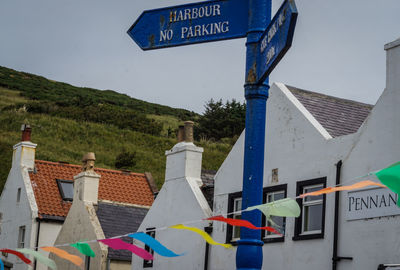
x,y
180,200
47,236
19,214
374,241
82,224
301,150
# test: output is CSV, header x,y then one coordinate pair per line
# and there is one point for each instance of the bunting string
x,y
65,255
18,254
117,243
154,244
202,233
84,248
243,223
288,207
40,257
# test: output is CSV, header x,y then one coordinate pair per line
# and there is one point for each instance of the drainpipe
x,y
335,257
208,230
37,241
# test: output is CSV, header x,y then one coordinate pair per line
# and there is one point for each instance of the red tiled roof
x,y
123,187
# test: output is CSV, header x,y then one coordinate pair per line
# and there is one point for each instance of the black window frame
x,y
229,228
152,233
298,221
266,190
19,190
21,236
59,181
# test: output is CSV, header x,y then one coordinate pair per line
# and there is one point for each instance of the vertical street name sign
x,y
191,23
276,39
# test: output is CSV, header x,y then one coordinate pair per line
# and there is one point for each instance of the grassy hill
x,y
61,137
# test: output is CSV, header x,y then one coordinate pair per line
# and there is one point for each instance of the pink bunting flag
x,y
116,243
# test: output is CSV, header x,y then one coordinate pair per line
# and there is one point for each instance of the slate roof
x,y
118,220
207,176
338,116
117,186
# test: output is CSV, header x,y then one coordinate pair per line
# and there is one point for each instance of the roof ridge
x,y
296,89
79,166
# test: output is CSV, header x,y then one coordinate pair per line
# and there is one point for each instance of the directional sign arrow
x,y
190,23
276,40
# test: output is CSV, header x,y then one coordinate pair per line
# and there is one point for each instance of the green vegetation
x,y
68,121
66,140
222,120
87,104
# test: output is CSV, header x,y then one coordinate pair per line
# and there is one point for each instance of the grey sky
x,y
337,50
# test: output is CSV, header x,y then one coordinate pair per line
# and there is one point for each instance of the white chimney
x,y
184,159
24,151
393,64
86,183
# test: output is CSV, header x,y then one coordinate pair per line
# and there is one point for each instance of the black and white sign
x,y
371,203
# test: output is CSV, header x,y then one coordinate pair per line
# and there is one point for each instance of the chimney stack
x,y
26,133
24,151
86,184
184,159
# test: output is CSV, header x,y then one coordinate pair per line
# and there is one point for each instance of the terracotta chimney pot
x,y
189,131
26,133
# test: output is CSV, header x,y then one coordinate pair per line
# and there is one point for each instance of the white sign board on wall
x,y
371,203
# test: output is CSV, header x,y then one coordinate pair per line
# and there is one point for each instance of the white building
x,y
312,141
183,197
38,195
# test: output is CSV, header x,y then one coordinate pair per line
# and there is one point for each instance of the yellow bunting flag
x,y
65,255
202,233
327,190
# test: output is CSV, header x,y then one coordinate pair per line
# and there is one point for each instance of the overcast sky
x,y
337,50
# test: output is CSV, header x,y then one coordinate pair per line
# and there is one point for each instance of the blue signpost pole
x,y
249,252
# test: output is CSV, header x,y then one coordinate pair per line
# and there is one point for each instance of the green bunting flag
x,y
281,208
84,248
390,177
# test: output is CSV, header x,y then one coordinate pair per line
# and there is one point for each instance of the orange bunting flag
x,y
65,255
327,190
243,223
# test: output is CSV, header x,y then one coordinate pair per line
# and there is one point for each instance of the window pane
x,y
236,232
21,237
278,221
67,190
279,196
237,206
312,217
312,189
271,197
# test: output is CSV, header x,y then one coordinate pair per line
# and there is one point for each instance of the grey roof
x,y
207,176
338,116
118,220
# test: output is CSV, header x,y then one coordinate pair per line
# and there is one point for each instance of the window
x,y
272,194
234,205
66,189
18,195
311,223
21,237
149,263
